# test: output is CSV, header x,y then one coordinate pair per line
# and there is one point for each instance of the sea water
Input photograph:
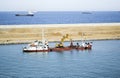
x,y
102,61
66,17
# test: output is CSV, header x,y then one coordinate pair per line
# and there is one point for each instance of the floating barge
x,y
87,46
60,47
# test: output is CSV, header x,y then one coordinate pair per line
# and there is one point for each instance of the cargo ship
x,y
28,14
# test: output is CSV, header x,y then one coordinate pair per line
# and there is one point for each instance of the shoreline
x,y
59,25
21,34
14,43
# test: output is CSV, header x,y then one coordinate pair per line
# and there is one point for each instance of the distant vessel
x,y
86,13
28,14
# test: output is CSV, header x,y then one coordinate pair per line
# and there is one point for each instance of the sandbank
x,y
12,34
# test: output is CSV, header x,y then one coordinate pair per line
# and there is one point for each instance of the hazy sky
x,y
59,5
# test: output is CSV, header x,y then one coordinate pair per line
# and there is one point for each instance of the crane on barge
x,y
61,45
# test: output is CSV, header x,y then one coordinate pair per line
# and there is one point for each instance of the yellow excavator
x,y
60,45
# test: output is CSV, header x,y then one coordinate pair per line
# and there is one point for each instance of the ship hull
x,y
24,15
84,48
61,49
35,50
71,48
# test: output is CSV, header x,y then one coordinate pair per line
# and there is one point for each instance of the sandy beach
x,y
54,32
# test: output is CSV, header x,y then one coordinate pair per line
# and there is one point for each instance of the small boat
x,y
28,14
84,46
37,46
